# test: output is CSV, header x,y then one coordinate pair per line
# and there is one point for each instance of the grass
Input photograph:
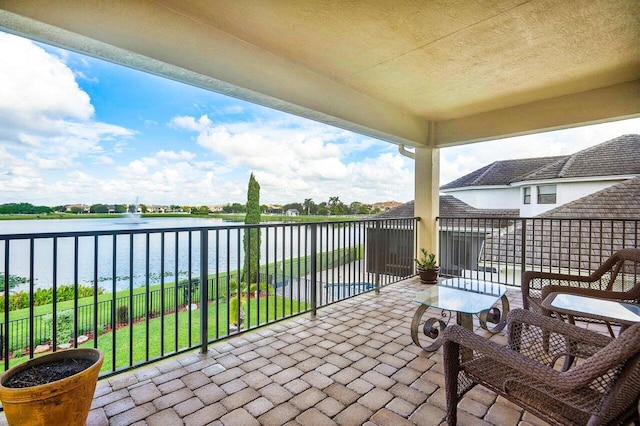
x,y
239,217
188,326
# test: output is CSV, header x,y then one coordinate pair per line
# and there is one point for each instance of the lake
x,y
151,254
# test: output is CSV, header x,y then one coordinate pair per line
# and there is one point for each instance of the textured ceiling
x,y
411,72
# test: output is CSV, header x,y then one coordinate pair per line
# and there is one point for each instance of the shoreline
x,y
231,217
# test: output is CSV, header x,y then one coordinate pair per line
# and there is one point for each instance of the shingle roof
x,y
502,172
619,156
608,216
449,207
617,201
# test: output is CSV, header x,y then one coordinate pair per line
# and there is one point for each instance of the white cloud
x,y
42,106
175,156
190,123
294,159
104,159
47,123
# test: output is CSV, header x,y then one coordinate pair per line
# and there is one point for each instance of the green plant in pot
x,y
427,267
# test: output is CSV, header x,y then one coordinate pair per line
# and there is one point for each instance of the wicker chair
x,y
618,278
601,389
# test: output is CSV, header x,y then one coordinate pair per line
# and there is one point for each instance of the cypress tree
x,y
251,237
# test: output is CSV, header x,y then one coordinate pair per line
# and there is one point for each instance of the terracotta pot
x,y
63,402
429,276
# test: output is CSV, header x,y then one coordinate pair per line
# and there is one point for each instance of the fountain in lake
x,y
133,217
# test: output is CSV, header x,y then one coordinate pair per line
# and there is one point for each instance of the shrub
x,y
44,296
64,326
122,314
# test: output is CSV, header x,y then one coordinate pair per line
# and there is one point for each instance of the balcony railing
x,y
138,294
499,249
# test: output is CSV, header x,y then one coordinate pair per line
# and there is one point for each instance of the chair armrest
x,y
544,279
612,352
501,355
552,325
529,275
590,292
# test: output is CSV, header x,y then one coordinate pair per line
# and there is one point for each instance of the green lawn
x,y
292,267
188,325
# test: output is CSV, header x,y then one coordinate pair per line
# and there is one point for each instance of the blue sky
x,y
77,129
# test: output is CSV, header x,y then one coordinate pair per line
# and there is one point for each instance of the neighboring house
x,y
292,212
385,205
599,182
537,185
611,215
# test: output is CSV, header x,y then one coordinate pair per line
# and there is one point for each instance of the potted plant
x,y
427,268
53,389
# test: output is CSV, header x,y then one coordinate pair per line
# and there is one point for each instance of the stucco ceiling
x,y
411,72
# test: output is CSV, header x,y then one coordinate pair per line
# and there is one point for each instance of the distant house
x,y
81,208
536,185
385,205
292,212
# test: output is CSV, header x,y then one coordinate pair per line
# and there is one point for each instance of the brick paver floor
x,y
353,364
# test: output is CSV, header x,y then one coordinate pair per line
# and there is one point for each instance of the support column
x,y
427,196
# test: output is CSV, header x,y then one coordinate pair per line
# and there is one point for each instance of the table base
x,y
433,327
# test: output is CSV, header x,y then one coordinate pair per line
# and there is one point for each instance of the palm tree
x,y
308,202
237,299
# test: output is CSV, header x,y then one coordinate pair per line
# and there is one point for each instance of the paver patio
x,y
353,364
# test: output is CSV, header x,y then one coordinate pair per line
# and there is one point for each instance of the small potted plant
x,y
427,268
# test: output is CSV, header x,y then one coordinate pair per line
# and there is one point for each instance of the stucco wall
x,y
566,193
489,198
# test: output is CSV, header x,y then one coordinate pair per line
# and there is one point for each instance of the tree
x,y
251,237
203,210
99,208
308,204
292,206
120,208
337,207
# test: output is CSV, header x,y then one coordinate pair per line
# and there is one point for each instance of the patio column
x,y
427,196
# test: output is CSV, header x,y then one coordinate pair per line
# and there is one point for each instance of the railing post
x,y
314,269
378,256
523,248
204,290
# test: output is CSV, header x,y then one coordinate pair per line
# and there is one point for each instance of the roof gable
x,y
619,156
502,172
449,207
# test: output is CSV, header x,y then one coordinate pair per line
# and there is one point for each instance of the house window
x,y
547,194
526,199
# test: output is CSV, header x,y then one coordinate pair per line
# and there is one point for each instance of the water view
x,y
144,250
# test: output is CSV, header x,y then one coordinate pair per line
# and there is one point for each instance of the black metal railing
x,y
499,249
137,294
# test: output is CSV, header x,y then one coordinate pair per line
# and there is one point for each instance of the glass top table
x,y
606,310
465,297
